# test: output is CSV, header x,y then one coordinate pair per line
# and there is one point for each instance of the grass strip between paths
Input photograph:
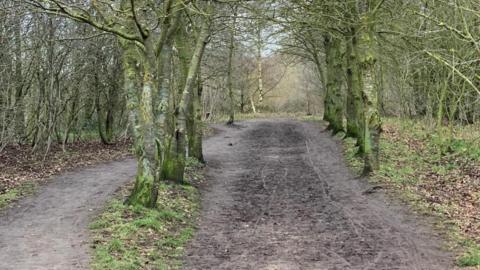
x,y
133,237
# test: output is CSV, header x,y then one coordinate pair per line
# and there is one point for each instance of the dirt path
x,y
281,197
50,229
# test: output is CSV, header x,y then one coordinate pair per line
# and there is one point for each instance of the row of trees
x,y
339,38
70,68
138,68
374,57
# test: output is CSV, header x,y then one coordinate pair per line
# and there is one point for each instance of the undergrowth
x,y
134,237
438,174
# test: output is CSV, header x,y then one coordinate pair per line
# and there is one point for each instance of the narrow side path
x,y
50,229
280,197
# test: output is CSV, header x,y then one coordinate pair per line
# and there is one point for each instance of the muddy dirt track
x,y
49,230
281,197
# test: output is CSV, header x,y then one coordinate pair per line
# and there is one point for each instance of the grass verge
x,y
134,237
439,176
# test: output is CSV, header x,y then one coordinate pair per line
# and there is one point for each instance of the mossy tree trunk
x,y
147,91
335,98
354,111
174,164
190,82
172,168
147,143
186,120
367,61
363,81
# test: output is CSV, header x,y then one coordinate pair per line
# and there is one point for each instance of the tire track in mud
x,y
281,197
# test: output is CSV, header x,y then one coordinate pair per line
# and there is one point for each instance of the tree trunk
x,y
231,49
111,110
259,75
242,100
259,68
174,164
196,146
354,110
441,104
252,103
335,100
147,144
19,95
101,122
370,92
172,168
191,80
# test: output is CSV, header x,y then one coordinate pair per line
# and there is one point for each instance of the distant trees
x,y
244,40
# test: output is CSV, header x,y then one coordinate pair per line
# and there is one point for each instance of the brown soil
x,y
281,197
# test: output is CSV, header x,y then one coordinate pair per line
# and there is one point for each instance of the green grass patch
x,y
470,258
134,237
14,194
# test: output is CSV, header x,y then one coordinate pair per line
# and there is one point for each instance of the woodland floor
x,y
281,197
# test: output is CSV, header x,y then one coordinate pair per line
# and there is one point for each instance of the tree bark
x,y
196,147
191,80
231,51
19,94
354,110
147,144
335,99
370,92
